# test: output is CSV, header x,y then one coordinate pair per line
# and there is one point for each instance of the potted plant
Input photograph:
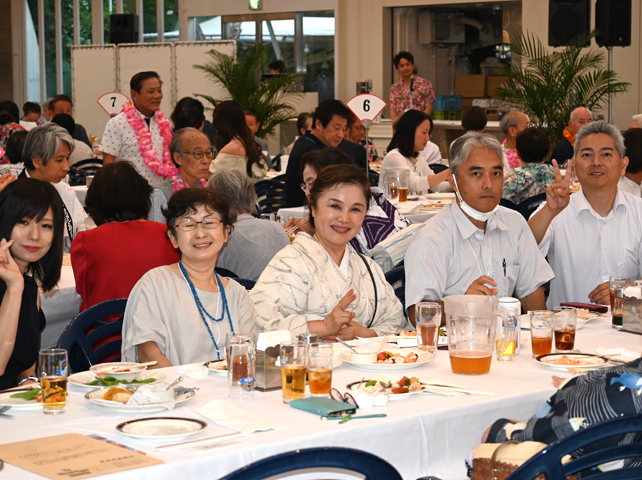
x,y
549,86
242,79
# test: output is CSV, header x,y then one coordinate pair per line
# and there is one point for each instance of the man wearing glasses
x,y
511,124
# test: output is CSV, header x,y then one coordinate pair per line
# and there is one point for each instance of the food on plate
x,y
565,360
383,384
221,366
109,381
391,358
33,394
116,394
583,311
408,333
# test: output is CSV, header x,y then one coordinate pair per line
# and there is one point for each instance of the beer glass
x,y
428,322
541,332
616,284
397,185
293,369
565,324
320,362
52,370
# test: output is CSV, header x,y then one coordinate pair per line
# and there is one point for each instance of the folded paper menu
x,y
72,456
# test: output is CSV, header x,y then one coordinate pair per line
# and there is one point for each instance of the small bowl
x,y
364,356
104,370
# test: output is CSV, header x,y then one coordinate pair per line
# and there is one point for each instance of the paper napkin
x,y
230,416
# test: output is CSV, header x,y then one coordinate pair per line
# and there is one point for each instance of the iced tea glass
x,y
52,370
428,322
616,284
320,361
542,332
565,326
292,359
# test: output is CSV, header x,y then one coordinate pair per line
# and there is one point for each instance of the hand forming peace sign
x,y
558,194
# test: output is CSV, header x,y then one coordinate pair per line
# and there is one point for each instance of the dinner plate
x,y
386,367
393,397
96,397
19,403
440,196
161,428
552,360
212,368
81,379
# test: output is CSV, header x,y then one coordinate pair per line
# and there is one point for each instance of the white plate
x,y
19,403
212,368
105,370
161,428
81,379
386,367
440,196
551,360
393,397
96,397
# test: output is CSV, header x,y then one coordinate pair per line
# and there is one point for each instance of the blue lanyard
x,y
201,308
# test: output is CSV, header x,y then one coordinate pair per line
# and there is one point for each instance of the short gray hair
x,y
44,142
509,119
176,145
637,120
236,186
463,147
47,104
601,127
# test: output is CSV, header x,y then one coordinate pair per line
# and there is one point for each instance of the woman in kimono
x,y
319,284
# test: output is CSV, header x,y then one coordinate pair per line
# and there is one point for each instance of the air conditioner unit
x,y
440,28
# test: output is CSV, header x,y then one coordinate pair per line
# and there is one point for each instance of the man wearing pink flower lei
x,y
141,134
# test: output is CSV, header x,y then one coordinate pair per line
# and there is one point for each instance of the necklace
x,y
178,183
201,308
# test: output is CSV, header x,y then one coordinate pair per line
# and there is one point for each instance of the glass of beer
x,y
428,315
293,370
320,361
565,323
616,284
52,370
542,332
397,182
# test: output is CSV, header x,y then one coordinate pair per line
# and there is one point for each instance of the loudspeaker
x,y
613,19
123,28
567,19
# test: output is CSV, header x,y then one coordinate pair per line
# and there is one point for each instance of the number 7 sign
x,y
112,102
366,106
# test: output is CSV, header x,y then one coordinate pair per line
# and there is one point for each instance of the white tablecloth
x,y
81,193
422,435
60,306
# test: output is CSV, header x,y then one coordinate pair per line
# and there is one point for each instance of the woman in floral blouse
x,y
411,92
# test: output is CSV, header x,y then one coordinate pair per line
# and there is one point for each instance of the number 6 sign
x,y
112,102
366,107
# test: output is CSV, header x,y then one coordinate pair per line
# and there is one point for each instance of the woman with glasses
x,y
319,284
110,259
235,143
179,314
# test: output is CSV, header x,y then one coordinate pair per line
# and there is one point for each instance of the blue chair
x,y
224,272
397,278
373,178
270,196
279,178
549,460
248,284
528,206
347,460
90,339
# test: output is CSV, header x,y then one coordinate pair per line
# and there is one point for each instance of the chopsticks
x,y
191,443
291,230
382,344
120,369
457,389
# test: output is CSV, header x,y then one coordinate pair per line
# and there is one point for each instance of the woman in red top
x,y
110,259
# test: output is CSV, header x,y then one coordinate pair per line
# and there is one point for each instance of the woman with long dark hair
x,y
412,133
32,222
235,143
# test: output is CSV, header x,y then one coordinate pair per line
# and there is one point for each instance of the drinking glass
x,y
293,369
320,362
240,374
52,372
565,324
268,216
616,284
428,322
541,332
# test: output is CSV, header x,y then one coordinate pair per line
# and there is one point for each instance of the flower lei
x,y
569,136
178,183
164,168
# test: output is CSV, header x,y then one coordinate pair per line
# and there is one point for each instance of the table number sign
x,y
112,103
72,456
366,107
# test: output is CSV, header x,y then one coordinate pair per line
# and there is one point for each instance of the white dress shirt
x,y
449,253
418,181
585,248
120,141
629,186
431,153
81,152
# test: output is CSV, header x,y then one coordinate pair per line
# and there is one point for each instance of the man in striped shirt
x,y
474,246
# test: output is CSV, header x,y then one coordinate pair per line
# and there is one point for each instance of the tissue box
x,y
267,374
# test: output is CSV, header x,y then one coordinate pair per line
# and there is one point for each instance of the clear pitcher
x,y
472,324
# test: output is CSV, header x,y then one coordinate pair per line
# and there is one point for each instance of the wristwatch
x,y
27,378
